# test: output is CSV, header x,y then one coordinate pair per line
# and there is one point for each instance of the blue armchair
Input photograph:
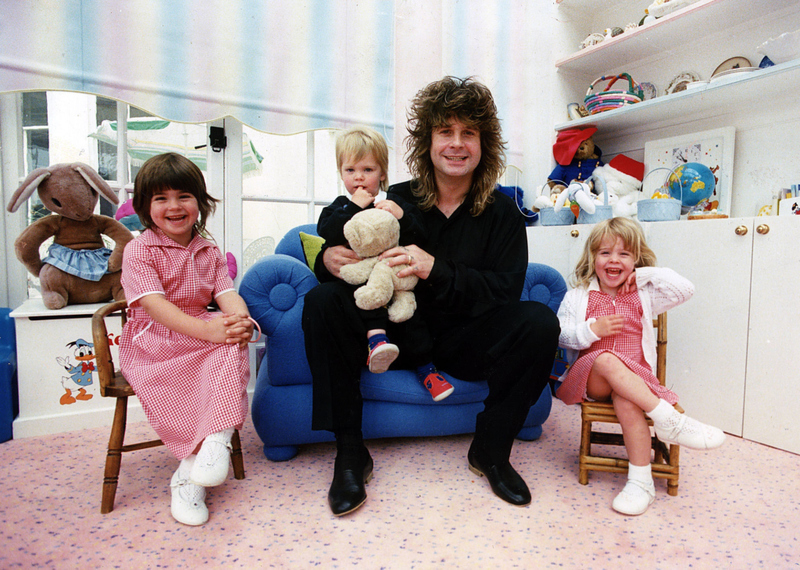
x,y
395,403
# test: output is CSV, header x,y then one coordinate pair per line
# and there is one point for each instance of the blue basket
x,y
601,212
660,209
549,217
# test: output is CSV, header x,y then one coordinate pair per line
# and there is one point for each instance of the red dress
x,y
627,346
189,388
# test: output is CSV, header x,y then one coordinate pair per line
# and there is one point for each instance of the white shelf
x,y
654,38
763,87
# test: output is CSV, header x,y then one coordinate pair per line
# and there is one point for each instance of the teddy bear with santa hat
x,y
623,177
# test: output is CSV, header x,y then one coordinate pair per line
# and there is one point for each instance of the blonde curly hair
x,y
632,236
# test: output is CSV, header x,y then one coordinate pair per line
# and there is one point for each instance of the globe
x,y
696,184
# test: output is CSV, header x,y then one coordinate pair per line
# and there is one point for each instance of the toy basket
x,y
660,209
601,211
549,216
612,99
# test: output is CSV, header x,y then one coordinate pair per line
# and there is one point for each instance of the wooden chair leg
x,y
674,461
236,456
586,444
114,455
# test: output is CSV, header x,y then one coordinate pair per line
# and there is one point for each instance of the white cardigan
x,y
660,289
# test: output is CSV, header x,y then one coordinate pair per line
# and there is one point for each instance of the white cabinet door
x,y
557,246
772,403
707,336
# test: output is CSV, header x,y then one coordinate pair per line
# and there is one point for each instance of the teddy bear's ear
x,y
27,188
96,181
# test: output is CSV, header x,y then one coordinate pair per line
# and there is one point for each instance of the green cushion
x,y
311,247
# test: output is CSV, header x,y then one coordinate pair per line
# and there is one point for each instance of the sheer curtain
x,y
281,66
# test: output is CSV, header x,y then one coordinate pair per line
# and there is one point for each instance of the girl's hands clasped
x,y
420,262
238,329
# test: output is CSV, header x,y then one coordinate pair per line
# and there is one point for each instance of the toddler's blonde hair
x,y
357,142
632,236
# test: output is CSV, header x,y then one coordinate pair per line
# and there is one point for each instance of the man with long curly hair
x,y
471,270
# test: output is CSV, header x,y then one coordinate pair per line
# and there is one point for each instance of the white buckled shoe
x,y
188,500
691,433
213,460
634,498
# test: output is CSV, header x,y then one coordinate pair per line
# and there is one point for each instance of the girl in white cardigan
x,y
606,327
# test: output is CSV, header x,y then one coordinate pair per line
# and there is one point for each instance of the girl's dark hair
x,y
470,102
176,172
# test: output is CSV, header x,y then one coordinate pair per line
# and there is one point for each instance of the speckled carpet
x,y
737,508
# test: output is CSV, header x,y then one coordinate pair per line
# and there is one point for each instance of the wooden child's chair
x,y
114,385
665,463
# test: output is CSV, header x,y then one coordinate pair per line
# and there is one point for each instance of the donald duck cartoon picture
x,y
80,374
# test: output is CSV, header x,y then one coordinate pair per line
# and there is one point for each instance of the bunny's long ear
x,y
95,181
582,194
27,188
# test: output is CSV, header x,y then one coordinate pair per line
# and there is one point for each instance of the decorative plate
x,y
732,63
680,82
696,85
576,111
650,91
734,71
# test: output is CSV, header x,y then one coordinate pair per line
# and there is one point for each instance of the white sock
x,y
641,473
664,415
185,468
224,436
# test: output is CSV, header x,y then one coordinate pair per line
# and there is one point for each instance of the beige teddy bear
x,y
369,234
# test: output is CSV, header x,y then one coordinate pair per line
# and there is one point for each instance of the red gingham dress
x,y
627,345
189,388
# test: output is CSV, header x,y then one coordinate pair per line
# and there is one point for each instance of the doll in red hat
x,y
576,157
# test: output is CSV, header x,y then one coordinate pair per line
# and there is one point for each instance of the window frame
x,y
224,171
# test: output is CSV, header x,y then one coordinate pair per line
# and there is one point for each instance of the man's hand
x,y
336,257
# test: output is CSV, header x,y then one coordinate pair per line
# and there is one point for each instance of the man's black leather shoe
x,y
352,470
505,481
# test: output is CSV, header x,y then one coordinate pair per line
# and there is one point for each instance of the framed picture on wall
x,y
712,148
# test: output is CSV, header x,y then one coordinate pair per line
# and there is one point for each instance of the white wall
x,y
507,45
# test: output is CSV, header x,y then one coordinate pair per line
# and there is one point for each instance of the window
x,y
36,138
62,127
296,180
286,179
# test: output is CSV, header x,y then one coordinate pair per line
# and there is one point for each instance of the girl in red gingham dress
x,y
188,367
606,327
